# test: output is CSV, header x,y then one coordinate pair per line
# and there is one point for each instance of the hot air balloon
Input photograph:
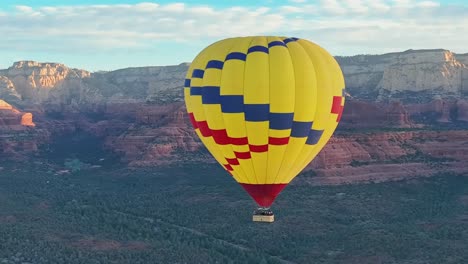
x,y
264,107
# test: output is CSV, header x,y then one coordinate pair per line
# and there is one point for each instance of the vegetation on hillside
x,y
197,214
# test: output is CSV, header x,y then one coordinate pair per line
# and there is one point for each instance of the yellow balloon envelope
x,y
264,107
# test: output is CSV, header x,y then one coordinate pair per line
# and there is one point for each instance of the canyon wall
x,y
395,104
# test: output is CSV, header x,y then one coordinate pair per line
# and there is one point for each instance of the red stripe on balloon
x,y
232,161
278,141
337,108
193,121
228,167
264,194
221,137
242,155
258,148
204,129
239,141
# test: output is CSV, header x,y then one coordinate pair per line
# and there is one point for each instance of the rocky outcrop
x,y
379,157
361,114
7,90
10,116
421,73
27,120
462,110
432,72
40,82
160,134
394,75
138,114
66,89
361,149
17,134
143,83
439,110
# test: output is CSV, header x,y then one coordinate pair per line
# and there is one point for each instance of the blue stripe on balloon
x,y
210,95
286,41
314,136
258,49
256,112
300,129
276,43
187,83
281,121
232,104
197,73
236,56
215,64
196,90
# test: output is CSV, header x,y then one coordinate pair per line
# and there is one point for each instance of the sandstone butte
x,y
15,130
394,126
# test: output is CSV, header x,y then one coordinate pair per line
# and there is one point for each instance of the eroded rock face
x,y
39,82
436,72
27,120
17,134
432,72
66,89
360,114
462,110
7,90
160,135
443,111
139,113
140,83
422,73
9,115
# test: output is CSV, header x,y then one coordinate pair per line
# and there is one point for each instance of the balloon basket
x,y
264,215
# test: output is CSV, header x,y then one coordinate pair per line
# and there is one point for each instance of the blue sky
x,y
106,34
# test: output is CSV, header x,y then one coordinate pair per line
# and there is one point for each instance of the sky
x,y
112,34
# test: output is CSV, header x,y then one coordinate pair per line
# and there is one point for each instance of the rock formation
x,y
361,114
66,89
7,90
421,73
462,110
429,72
433,71
17,136
161,134
142,83
139,114
39,82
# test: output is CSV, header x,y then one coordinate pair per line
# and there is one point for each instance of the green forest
x,y
197,214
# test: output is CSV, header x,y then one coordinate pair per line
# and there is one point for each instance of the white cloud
x,y
333,7
343,25
378,6
24,9
298,1
428,4
145,7
176,7
356,6
291,9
